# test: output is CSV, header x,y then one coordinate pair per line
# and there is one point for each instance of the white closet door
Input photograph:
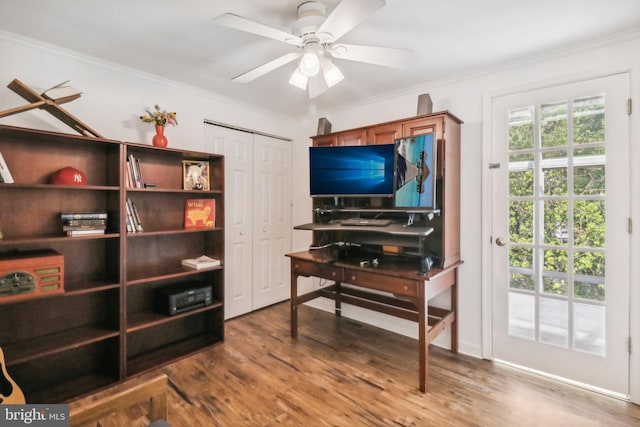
x,y
271,220
257,217
237,147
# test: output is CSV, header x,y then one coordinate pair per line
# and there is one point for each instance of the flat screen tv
x,y
415,172
353,170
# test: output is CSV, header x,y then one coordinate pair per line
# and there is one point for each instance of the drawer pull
x,y
353,277
333,273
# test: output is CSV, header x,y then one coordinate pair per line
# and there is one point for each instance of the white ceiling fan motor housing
x,y
311,14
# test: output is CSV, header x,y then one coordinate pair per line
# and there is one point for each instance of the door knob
x,y
501,241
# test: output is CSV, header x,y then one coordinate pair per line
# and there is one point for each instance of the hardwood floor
x,y
343,373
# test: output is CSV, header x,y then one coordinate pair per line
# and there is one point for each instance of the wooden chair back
x,y
154,389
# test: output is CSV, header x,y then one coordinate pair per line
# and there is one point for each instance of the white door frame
x,y
486,212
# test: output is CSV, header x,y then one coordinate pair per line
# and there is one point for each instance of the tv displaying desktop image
x,y
415,172
358,170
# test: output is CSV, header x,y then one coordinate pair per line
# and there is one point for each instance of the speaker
x,y
324,126
425,105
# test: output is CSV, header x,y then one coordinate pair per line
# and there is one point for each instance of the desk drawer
x,y
325,271
395,285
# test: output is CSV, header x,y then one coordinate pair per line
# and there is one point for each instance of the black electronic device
x,y
404,172
176,299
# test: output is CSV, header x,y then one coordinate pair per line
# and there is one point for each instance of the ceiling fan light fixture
x,y
310,64
298,79
332,74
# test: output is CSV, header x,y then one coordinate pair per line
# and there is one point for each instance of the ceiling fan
x,y
315,35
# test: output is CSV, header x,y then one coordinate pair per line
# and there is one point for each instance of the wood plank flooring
x,y
340,372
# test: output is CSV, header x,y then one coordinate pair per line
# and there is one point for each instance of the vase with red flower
x,y
159,139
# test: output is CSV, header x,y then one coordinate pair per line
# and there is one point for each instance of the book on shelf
x,y
67,227
199,213
134,224
82,226
84,232
84,222
128,176
134,172
67,216
201,262
5,173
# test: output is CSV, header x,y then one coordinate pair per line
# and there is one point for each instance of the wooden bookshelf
x,y
103,328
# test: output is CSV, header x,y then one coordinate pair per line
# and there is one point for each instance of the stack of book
x,y
83,223
201,262
134,224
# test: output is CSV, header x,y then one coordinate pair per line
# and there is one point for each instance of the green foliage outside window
x,y
585,231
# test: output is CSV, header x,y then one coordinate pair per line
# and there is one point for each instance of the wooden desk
x,y
411,293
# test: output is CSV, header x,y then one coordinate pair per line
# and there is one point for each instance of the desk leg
x,y
423,313
294,305
338,302
454,309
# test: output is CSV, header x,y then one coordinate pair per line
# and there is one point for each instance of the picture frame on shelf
x,y
195,175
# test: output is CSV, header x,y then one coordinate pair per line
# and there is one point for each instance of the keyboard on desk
x,y
372,222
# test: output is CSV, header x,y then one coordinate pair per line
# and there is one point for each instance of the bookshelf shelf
x,y
59,347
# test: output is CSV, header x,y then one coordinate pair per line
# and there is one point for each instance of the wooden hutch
x,y
386,271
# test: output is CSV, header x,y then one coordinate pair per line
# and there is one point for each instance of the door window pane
x,y
588,119
589,223
521,268
521,128
589,280
554,275
521,183
522,316
589,328
588,180
554,322
553,124
521,221
554,173
556,231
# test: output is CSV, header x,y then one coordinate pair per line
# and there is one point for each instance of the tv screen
x,y
358,170
415,172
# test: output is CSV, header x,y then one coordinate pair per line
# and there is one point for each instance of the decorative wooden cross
x,y
50,105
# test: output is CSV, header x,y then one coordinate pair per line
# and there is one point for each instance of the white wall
x,y
114,97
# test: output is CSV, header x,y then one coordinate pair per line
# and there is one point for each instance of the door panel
x,y
560,259
272,220
237,147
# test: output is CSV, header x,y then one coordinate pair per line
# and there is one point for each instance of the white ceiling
x,y
176,39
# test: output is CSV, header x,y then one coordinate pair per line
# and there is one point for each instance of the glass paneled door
x,y
560,233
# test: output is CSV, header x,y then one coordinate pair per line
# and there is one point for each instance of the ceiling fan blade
x,y
346,16
239,23
386,56
265,68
